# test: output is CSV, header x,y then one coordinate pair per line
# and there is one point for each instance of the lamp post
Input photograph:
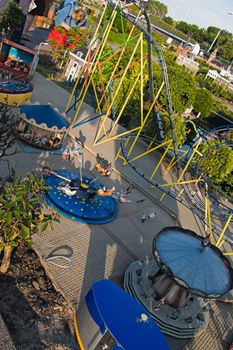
x,y
215,39
217,35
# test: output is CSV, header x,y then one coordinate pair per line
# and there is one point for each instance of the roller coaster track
x,y
190,198
197,208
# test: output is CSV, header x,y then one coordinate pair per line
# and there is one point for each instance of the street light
x,y
213,42
217,35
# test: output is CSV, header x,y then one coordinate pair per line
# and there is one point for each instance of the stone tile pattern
x,y
5,339
219,332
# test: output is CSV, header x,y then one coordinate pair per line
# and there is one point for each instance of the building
x,y
74,65
227,74
220,79
188,62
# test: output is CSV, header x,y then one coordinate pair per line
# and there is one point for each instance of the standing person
x,y
17,34
69,15
129,190
36,8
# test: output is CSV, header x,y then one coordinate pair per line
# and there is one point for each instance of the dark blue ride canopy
x,y
128,322
193,261
44,114
97,210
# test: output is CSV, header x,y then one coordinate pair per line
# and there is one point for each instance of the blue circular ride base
x,y
97,210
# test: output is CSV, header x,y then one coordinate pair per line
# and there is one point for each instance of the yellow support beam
x,y
228,254
95,36
161,159
223,230
118,155
209,222
142,80
96,96
118,136
221,243
149,151
181,183
106,34
124,105
188,162
120,57
181,192
88,53
146,117
117,90
162,197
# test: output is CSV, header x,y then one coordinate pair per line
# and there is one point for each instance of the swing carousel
x,y
79,197
41,126
177,285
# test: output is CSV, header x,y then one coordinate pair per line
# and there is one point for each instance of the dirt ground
x,y
36,315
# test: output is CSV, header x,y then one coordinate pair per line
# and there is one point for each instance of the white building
x,y
188,63
227,74
74,65
218,78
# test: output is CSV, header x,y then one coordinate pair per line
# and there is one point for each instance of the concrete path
x,y
105,251
5,339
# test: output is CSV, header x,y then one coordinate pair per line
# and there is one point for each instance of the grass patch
x,y
163,25
119,40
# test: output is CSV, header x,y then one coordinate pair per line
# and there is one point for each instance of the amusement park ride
x,y
187,270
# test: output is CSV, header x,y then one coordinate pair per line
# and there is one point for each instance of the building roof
x,y
44,115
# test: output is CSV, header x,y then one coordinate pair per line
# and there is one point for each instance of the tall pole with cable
x,y
214,41
217,35
158,125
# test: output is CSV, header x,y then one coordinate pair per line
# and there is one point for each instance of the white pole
x,y
213,42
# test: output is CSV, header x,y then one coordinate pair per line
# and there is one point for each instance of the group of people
x,y
73,186
69,15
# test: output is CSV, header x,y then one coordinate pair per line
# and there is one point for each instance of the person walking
x,y
36,8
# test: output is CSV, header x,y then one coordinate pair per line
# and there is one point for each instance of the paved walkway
x,y
105,251
5,339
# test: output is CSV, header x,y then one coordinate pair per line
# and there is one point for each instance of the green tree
x,y
182,86
227,184
226,50
120,23
168,20
11,18
217,160
203,102
180,133
21,214
157,8
184,27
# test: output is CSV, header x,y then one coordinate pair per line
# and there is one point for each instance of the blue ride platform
x,y
97,210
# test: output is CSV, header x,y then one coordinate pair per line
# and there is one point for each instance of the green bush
x,y
11,19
